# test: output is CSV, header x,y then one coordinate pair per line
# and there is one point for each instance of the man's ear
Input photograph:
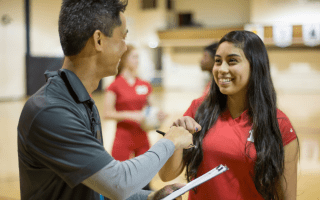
x,y
97,39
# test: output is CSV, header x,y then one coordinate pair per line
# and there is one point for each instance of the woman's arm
x,y
175,165
287,189
110,111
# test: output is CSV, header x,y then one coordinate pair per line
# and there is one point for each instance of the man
x,y
61,155
207,62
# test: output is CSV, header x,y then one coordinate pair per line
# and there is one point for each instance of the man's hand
x,y
180,137
165,191
188,123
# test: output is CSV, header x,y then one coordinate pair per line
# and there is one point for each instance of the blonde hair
x,y
124,57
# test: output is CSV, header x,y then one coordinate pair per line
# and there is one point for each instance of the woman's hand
x,y
136,116
110,111
188,123
175,165
165,191
161,116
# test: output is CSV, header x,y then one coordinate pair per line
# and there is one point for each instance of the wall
x,y
182,65
294,70
178,67
44,35
44,41
214,13
12,50
182,69
297,12
142,26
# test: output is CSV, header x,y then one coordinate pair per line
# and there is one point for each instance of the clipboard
x,y
198,181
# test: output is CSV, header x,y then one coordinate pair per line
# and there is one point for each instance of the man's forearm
x,y
119,180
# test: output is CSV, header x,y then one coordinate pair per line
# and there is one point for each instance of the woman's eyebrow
x,y
231,55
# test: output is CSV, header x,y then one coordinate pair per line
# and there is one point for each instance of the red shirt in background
x,y
129,135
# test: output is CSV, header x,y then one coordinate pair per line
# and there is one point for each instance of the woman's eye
x,y
217,61
232,60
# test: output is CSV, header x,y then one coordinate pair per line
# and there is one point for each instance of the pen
x,y
163,133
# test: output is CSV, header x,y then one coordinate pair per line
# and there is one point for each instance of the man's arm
x,y
119,180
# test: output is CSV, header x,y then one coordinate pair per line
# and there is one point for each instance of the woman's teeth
x,y
226,80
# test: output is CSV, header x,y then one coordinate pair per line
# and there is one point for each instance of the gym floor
x,y
302,109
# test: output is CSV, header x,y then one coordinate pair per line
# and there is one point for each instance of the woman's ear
x,y
97,39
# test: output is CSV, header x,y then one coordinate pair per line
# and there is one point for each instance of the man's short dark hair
x,y
79,19
212,48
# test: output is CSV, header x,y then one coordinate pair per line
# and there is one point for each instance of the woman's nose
x,y
224,68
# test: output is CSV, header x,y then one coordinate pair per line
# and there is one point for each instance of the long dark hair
x,y
262,109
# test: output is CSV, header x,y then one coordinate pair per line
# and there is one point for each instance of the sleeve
x,y
123,179
191,112
59,139
287,131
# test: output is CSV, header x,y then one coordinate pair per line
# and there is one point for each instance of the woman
x,y
241,127
125,99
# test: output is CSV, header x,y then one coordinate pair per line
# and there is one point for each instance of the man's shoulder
x,y
53,95
54,92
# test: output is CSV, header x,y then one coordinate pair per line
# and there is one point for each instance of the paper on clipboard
x,y
198,181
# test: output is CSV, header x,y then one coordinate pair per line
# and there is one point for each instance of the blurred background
x,y
170,36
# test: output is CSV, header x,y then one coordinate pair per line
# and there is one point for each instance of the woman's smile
x,y
225,81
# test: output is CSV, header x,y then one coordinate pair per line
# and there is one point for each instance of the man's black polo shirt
x,y
57,149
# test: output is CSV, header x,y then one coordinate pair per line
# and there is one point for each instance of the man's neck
x,y
84,69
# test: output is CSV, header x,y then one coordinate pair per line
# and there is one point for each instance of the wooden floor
x,y
302,109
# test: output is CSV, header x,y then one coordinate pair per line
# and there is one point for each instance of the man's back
x,y
56,147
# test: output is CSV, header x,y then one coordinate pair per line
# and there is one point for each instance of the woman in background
x,y
241,128
125,100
